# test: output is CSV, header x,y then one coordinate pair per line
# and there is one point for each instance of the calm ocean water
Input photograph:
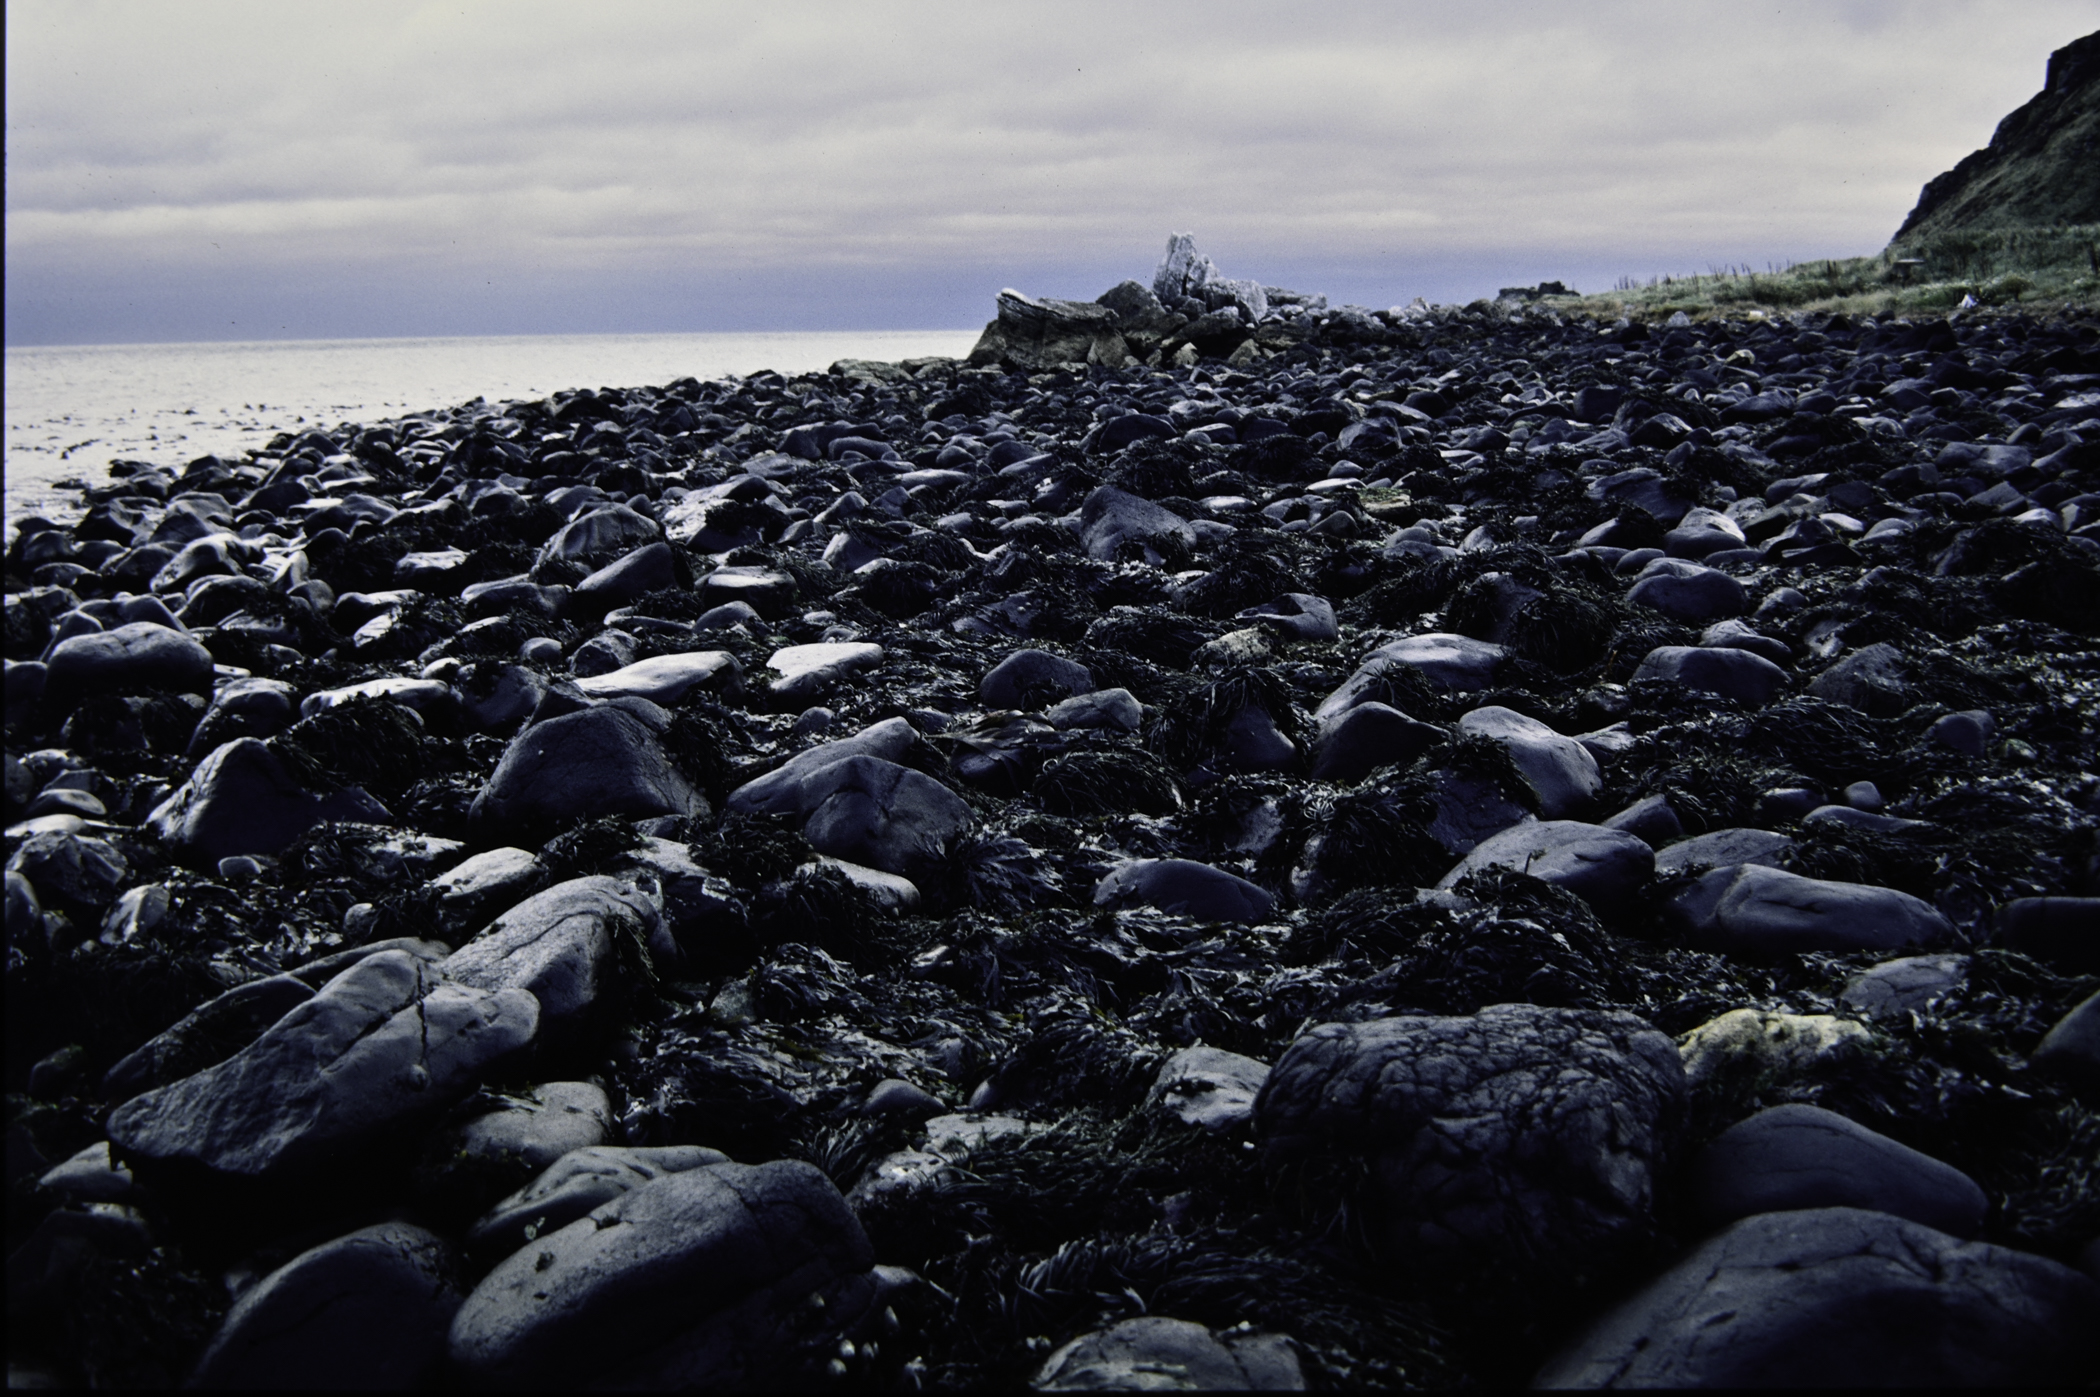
x,y
72,409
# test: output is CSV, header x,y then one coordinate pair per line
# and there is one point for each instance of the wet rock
x,y
2071,1049
2060,931
606,760
1031,678
808,671
243,708
1688,592
1515,1140
858,806
1840,1297
1558,769
1209,1087
1297,615
90,1176
1874,680
1183,886
1722,848
577,1182
1968,732
383,1045
206,1036
242,800
1795,1156
131,658
1158,1354
1116,709
471,1163
71,872
667,679
1751,910
1604,867
1369,735
1650,820
1111,518
561,946
1748,679
687,1281
369,1310
1895,987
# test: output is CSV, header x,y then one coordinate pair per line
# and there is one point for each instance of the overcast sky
x,y
200,170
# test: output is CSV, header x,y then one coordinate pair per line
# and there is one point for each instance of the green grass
x,y
2039,269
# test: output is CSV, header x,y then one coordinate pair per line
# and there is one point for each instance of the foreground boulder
x,y
242,800
383,1046
560,946
575,1183
1520,1142
1838,1297
607,760
1751,910
693,1280
1157,1354
131,659
370,1310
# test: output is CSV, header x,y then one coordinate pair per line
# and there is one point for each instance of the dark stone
x,y
1794,1156
2063,932
242,800
1604,867
1033,679
1748,679
1194,890
1751,910
131,658
1368,736
561,946
607,760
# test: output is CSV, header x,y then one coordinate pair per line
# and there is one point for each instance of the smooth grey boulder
x,y
1748,679
1032,678
861,807
88,1176
688,1281
1795,1156
574,1184
606,760
242,800
1968,732
1650,819
561,946
385,1045
206,1036
2071,1049
1559,770
1721,848
1604,867
365,1312
1895,987
1367,736
133,658
807,671
1740,635
1209,1087
666,679
477,888
1875,679
1688,592
1156,1354
1104,708
650,568
76,872
1110,518
471,1162
1456,663
2061,931
1841,1297
1186,887
1518,1139
1751,910
242,708
606,531
781,791
1471,808
1298,616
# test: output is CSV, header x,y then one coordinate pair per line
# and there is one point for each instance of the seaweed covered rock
x,y
1519,1142
1605,867
1192,889
1843,1298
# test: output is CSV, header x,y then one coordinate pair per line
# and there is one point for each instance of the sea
x,y
72,409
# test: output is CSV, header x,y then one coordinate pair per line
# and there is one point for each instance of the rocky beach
x,y
1222,841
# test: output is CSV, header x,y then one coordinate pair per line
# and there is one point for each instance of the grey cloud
x,y
400,142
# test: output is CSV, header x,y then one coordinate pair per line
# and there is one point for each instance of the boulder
x,y
562,946
1117,709
1736,674
807,671
650,568
860,807
1721,848
1750,910
1685,591
1519,1142
73,872
688,1281
574,1184
2071,1049
206,1036
243,708
2063,932
1156,1354
1895,987
1041,333
606,531
1109,518
241,800
1874,679
134,658
1795,1156
1182,886
1031,678
1209,1087
1367,736
1299,616
1452,662
605,760
1604,867
386,1044
1744,1044
478,888
367,1311
472,1162
1840,1297
666,679
1558,769
1651,819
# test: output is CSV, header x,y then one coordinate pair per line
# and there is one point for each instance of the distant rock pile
x,y
1221,842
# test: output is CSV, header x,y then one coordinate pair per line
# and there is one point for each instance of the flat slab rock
x,y
1839,1297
